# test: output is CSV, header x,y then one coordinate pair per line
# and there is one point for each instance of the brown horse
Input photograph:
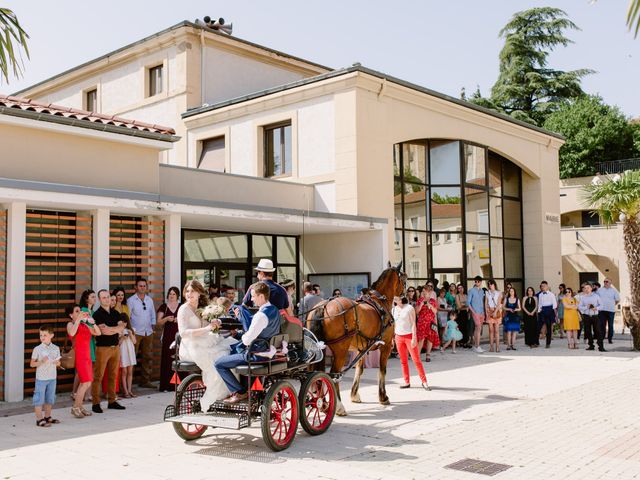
x,y
346,325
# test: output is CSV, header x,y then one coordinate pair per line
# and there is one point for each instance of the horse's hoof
x,y
341,413
385,402
356,399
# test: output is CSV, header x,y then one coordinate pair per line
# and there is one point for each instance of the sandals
x,y
50,420
77,412
427,358
84,412
42,423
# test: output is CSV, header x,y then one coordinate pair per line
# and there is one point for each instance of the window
x,y
91,100
436,238
277,150
414,268
590,218
447,238
396,241
212,155
155,80
413,223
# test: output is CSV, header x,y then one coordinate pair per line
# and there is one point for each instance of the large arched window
x,y
472,222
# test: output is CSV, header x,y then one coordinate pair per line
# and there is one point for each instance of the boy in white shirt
x,y
45,358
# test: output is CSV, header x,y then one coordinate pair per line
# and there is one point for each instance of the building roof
x,y
374,73
184,23
23,107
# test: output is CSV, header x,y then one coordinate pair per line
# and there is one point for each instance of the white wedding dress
x,y
203,348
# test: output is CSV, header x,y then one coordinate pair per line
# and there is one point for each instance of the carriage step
x,y
218,419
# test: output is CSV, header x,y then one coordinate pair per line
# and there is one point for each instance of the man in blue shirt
x,y
475,300
142,313
610,297
278,297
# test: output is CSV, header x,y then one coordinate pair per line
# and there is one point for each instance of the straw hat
x,y
265,265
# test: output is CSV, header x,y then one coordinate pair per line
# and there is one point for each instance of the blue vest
x,y
273,327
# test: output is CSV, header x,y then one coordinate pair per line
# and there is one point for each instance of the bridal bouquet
x,y
211,313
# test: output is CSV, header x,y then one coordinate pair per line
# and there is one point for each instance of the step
x,y
234,421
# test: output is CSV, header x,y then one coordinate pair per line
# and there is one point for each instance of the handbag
x,y
68,356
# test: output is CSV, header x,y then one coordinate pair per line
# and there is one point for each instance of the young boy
x,y
45,358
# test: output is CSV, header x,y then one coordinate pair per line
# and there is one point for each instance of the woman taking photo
x,y
167,321
406,339
493,308
427,325
530,318
87,304
81,329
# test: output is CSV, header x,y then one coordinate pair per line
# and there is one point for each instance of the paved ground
x,y
549,413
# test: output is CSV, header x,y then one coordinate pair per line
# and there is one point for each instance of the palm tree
x,y
617,198
633,16
13,39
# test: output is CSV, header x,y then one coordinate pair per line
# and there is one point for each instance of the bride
x,y
200,345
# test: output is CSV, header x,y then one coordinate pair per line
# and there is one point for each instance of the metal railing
x,y
618,166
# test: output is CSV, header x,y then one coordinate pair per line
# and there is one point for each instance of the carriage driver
x,y
264,324
278,296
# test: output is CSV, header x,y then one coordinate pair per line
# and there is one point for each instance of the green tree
x,y
633,17
13,40
527,88
617,198
595,132
444,199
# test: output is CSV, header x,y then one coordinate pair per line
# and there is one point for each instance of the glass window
x,y
474,165
261,247
446,210
513,258
201,246
286,273
286,250
414,159
396,160
397,252
415,208
495,174
519,286
414,239
512,218
277,144
476,208
510,179
447,254
497,258
478,257
416,248
155,80
495,216
91,100
212,155
444,159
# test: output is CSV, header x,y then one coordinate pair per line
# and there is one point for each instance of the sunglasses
x,y
429,285
144,305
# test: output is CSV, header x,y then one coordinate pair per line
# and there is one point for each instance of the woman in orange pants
x,y
407,340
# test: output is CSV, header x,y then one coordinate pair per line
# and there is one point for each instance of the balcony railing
x,y
618,166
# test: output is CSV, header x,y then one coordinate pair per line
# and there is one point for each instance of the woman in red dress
x,y
81,329
427,327
168,321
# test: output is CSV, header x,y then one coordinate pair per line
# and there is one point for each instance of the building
x,y
325,171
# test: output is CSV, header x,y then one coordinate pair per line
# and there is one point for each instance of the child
x,y
45,358
452,334
127,357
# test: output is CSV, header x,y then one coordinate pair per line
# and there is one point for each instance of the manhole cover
x,y
479,466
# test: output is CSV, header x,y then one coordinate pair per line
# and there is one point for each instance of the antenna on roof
x,y
217,25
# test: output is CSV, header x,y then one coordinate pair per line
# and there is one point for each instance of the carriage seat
x,y
184,366
268,365
291,326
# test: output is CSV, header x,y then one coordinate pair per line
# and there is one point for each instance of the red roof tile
x,y
51,109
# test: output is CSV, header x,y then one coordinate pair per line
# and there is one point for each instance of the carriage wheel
x,y
188,396
280,416
317,403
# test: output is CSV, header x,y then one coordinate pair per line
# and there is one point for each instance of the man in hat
x,y
278,297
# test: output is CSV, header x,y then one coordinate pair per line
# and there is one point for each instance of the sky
x,y
441,45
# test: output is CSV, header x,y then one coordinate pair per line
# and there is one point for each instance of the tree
x,y
618,198
633,17
527,88
13,39
595,132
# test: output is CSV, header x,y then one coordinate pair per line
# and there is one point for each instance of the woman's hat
x,y
287,283
265,265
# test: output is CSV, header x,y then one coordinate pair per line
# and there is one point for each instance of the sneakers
x,y
116,406
96,408
478,350
426,386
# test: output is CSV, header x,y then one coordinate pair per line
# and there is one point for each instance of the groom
x,y
263,325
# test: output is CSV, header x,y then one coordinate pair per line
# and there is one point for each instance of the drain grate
x,y
479,466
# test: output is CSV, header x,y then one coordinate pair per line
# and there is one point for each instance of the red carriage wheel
x,y
188,396
317,403
280,416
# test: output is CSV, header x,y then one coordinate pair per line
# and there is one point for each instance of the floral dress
x,y
427,326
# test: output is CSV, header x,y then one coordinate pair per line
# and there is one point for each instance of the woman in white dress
x,y
199,344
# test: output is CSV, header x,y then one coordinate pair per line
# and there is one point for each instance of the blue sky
x,y
441,45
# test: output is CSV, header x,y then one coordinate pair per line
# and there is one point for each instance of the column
x,y
15,298
173,251
101,220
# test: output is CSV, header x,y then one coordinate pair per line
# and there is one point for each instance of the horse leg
x,y
385,350
339,359
355,396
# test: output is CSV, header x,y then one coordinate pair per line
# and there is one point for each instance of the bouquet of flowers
x,y
210,314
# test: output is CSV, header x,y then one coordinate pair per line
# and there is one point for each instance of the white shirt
x,y
404,318
143,317
609,296
46,371
258,323
547,299
591,299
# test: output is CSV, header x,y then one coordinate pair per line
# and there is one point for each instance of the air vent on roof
x,y
217,25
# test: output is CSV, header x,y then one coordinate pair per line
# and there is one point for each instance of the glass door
x,y
442,275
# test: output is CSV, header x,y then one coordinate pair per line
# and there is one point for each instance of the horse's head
x,y
392,281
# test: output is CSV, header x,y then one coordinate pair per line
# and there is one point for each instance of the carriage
x,y
273,400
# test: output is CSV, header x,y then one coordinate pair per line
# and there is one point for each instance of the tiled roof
x,y
74,113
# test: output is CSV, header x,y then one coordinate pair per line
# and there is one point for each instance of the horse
x,y
364,325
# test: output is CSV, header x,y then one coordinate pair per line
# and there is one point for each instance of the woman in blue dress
x,y
512,318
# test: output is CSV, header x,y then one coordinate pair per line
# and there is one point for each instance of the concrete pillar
x,y
101,219
173,251
15,298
